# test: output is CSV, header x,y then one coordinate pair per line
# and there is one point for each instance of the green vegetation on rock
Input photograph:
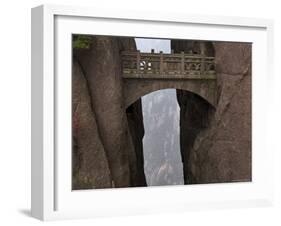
x,y
81,41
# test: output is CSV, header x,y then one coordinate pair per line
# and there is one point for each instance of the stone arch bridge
x,y
144,73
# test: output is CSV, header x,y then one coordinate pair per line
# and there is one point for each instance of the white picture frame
x,y
52,197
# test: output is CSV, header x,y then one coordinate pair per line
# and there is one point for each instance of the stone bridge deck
x,y
147,72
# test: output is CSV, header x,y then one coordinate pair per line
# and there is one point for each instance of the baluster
x,y
182,63
202,68
138,61
161,63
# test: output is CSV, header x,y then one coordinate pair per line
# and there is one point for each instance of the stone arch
x,y
195,114
136,88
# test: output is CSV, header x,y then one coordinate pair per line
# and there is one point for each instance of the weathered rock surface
x,y
136,127
102,71
135,122
101,65
222,153
216,145
91,169
195,112
190,46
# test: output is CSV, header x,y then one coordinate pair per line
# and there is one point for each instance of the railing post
x,y
138,61
182,62
202,68
161,63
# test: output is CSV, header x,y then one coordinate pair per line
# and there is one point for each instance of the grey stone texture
x,y
216,143
102,69
90,164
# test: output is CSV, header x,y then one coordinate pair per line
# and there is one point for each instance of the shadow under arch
x,y
195,112
195,117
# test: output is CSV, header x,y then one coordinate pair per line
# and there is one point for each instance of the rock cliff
x,y
101,67
216,143
90,164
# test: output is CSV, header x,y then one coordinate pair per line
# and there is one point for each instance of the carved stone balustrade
x,y
167,66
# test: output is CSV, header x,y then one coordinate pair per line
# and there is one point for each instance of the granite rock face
x,y
101,65
135,122
91,169
223,151
195,112
192,46
136,127
195,115
216,143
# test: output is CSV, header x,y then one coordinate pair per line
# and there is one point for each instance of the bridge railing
x,y
161,65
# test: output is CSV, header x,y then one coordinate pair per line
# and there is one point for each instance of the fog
x,y
162,159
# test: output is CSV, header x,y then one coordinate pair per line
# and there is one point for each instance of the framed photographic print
x,y
142,113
